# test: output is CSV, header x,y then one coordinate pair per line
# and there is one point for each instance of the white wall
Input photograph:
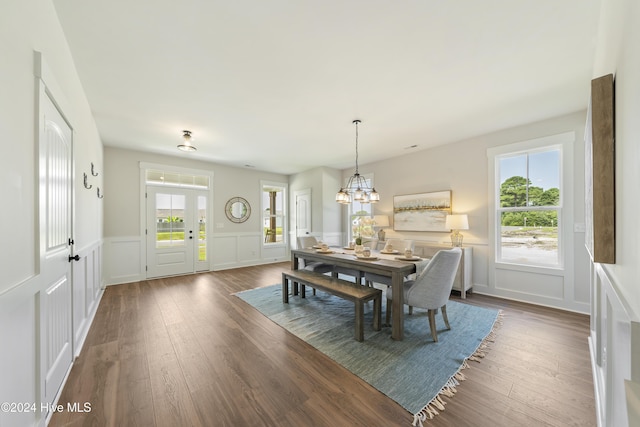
x,y
25,26
233,245
615,327
462,168
618,52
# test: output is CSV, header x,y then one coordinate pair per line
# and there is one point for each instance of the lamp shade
x,y
381,220
457,222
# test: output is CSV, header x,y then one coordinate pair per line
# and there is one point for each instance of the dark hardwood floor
x,y
183,351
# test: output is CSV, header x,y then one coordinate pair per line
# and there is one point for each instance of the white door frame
x,y
144,166
182,258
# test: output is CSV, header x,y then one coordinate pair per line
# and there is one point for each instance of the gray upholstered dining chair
x,y
397,244
305,242
432,288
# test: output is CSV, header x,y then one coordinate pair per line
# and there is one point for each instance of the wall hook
x,y
100,196
92,171
86,185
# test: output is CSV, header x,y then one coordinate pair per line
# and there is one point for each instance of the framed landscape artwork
x,y
421,212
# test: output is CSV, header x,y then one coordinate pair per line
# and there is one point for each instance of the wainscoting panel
x,y
615,333
249,248
91,282
123,262
81,298
275,254
124,257
530,284
87,291
98,283
19,327
243,249
225,251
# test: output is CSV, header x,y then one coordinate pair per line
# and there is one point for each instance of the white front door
x,y
176,231
55,153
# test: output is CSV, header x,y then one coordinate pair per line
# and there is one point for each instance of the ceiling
x,y
276,84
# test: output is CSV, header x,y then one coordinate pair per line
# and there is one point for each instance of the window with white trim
x,y
274,213
529,207
361,219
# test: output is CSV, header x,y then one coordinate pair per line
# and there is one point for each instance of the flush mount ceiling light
x,y
357,188
186,145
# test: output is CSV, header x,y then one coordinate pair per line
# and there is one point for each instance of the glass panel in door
x,y
170,242
170,211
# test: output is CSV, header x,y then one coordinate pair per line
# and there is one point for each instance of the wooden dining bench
x,y
356,293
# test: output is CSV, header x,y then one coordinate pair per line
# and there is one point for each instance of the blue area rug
x,y
415,372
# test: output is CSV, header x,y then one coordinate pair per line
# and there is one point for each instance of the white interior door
x,y
303,212
55,219
176,231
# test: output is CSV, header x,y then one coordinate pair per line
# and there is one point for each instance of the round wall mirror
x,y
237,209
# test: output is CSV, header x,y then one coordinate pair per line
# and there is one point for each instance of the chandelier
x,y
357,188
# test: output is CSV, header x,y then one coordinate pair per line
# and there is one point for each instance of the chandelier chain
x,y
356,122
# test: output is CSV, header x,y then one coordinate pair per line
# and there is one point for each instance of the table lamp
x,y
381,221
456,223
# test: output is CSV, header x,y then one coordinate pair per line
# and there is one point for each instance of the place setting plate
x,y
366,258
320,251
404,258
393,252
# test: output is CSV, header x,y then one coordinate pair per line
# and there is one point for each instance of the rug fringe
x,y
430,410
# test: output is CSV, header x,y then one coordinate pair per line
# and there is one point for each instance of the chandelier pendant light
x,y
357,188
186,145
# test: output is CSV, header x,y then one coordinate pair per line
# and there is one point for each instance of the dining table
x,y
388,265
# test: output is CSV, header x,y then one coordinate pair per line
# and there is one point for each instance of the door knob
x,y
71,258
